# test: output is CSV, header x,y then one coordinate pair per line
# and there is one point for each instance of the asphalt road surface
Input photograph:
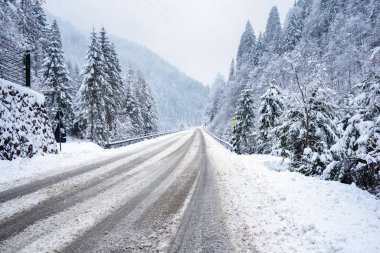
x,y
159,198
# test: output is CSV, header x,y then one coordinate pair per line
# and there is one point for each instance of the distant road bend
x,y
159,198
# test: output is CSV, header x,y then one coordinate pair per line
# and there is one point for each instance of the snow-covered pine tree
x,y
293,29
41,34
8,20
132,113
272,36
357,153
242,134
270,112
245,59
215,97
32,21
76,81
33,28
308,131
260,47
146,104
75,78
92,115
232,74
289,134
322,132
55,77
114,84
306,6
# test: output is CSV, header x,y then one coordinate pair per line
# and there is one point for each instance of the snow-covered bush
x,y
25,129
308,131
357,153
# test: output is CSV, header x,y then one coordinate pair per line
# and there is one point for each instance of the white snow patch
x,y
271,211
39,98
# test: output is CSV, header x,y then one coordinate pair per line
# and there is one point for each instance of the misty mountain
x,y
180,99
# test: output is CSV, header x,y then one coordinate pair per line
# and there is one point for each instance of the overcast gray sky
x,y
200,37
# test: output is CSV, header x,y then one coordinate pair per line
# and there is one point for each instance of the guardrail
x,y
220,140
135,140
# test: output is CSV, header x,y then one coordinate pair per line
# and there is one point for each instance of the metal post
x,y
59,128
27,68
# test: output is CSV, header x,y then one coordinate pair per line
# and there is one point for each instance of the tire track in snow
x,y
135,227
50,180
91,237
56,204
202,228
170,203
55,231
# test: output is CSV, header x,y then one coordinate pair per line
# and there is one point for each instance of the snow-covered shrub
x,y
357,153
25,129
308,131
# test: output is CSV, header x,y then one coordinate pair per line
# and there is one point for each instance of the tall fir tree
x,y
245,59
76,81
293,29
272,36
32,21
260,47
132,112
232,72
92,116
216,97
113,81
270,112
146,104
35,32
322,132
56,77
242,134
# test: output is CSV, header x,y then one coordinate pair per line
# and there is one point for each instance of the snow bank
x,y
271,211
24,125
75,153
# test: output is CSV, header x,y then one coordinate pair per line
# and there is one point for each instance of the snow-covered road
x,y
182,192
159,196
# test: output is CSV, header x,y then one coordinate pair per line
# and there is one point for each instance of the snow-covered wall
x,y
25,129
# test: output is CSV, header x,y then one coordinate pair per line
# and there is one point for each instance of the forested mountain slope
x,y
308,90
180,99
327,42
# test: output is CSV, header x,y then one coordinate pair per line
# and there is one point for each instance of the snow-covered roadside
x,y
271,211
75,153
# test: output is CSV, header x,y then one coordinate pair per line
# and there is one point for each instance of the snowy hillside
x,y
24,126
180,99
